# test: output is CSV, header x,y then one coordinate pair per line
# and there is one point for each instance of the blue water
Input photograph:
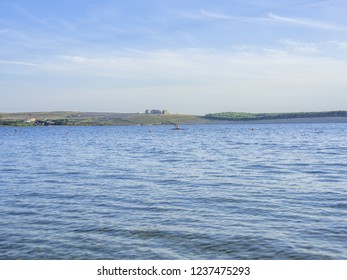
x,y
205,192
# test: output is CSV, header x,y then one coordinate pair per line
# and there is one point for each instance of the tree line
x,y
241,116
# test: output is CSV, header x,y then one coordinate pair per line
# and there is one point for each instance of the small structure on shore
x,y
156,112
30,120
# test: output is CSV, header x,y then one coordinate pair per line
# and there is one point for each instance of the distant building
x,y
29,120
156,112
49,123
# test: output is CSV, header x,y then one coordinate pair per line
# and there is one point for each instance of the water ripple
x,y
208,192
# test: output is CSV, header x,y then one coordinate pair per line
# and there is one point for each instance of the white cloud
x,y
306,22
308,48
76,59
204,15
212,80
4,31
342,45
214,15
14,62
202,66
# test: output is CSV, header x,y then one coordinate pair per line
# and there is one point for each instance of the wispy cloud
x,y
302,47
22,12
15,62
75,59
205,15
306,22
194,74
4,31
212,15
342,45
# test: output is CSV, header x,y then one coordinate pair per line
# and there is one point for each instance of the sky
x,y
186,56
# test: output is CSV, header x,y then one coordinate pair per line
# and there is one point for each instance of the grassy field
x,y
240,116
118,119
94,118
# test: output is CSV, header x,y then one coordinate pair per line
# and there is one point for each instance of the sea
x,y
229,191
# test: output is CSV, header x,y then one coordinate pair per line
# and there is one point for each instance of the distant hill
x,y
67,118
96,118
239,116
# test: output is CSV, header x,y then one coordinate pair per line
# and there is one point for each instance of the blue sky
x,y
185,56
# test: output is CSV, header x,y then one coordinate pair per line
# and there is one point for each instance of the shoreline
x,y
332,120
293,121
67,118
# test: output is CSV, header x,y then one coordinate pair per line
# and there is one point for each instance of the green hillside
x,y
95,118
68,118
240,116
